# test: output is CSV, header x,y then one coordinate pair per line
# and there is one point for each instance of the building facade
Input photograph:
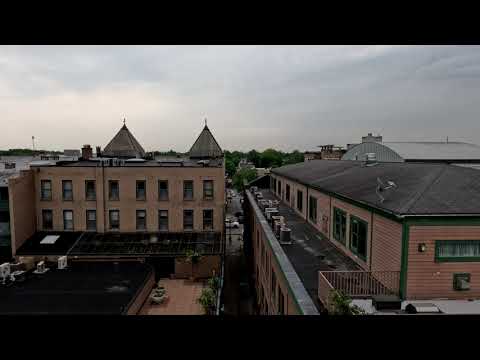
x,y
124,204
421,242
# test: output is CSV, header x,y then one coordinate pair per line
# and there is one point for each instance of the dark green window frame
x,y
338,214
356,232
473,258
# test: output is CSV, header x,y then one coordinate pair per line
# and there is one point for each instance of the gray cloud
x,y
254,96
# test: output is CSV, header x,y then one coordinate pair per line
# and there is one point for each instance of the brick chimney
x,y
99,151
87,152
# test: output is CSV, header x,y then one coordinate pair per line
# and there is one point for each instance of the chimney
x,y
99,152
87,152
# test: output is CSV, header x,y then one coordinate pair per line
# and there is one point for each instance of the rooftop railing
x,y
358,284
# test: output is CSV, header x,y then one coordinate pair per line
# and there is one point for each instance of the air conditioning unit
x,y
463,284
285,235
41,269
62,262
5,271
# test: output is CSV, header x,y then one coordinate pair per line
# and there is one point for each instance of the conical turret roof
x,y
124,145
205,146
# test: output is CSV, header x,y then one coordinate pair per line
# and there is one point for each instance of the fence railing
x,y
358,283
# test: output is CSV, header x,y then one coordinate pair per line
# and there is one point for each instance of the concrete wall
x,y
127,177
204,269
22,208
143,295
429,279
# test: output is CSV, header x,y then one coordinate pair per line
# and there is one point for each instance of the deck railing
x,y
358,283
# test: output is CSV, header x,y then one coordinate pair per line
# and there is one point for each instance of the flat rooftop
x,y
82,288
122,244
309,252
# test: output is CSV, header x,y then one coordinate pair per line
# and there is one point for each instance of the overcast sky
x,y
286,97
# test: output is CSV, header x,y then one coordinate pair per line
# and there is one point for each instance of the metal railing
x,y
359,283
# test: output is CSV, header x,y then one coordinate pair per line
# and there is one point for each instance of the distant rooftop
x,y
205,146
82,288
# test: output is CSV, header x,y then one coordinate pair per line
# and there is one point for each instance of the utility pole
x,y
33,144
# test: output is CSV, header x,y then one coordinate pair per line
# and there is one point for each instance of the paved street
x,y
235,270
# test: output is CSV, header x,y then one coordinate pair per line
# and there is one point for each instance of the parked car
x,y
229,223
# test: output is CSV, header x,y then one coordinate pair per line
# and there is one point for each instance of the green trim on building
x,y
334,222
444,220
356,218
455,258
404,261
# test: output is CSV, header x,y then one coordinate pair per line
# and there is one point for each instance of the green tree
x,y
293,157
254,157
271,158
243,175
230,167
340,304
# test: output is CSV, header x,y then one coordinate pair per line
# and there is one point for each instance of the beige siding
x,y
22,208
428,279
127,204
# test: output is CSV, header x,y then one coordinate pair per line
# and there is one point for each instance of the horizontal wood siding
x,y
427,279
386,245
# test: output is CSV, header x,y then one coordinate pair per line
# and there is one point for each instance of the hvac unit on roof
x,y
41,269
62,262
382,188
285,235
5,271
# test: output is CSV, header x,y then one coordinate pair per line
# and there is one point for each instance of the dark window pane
x,y
141,220
287,192
208,219
68,220
163,190
188,190
113,190
141,190
163,220
208,189
299,200
188,219
91,220
90,191
47,219
67,188
46,190
114,217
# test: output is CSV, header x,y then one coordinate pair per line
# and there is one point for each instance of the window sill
x,y
46,199
163,199
457,259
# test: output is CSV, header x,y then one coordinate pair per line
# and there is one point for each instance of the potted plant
x,y
340,304
193,257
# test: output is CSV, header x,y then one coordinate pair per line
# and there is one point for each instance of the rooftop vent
x,y
41,269
285,237
62,262
87,152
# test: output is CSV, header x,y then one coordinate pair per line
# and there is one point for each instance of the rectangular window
x,y
141,220
457,250
299,201
113,190
141,189
274,185
208,219
163,220
3,193
46,189
68,219
207,189
279,187
67,190
461,281
188,220
188,190
281,302
114,219
47,219
339,225
287,192
358,237
163,190
312,209
91,220
90,191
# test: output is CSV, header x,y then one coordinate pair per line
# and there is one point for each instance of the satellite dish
x,y
381,187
